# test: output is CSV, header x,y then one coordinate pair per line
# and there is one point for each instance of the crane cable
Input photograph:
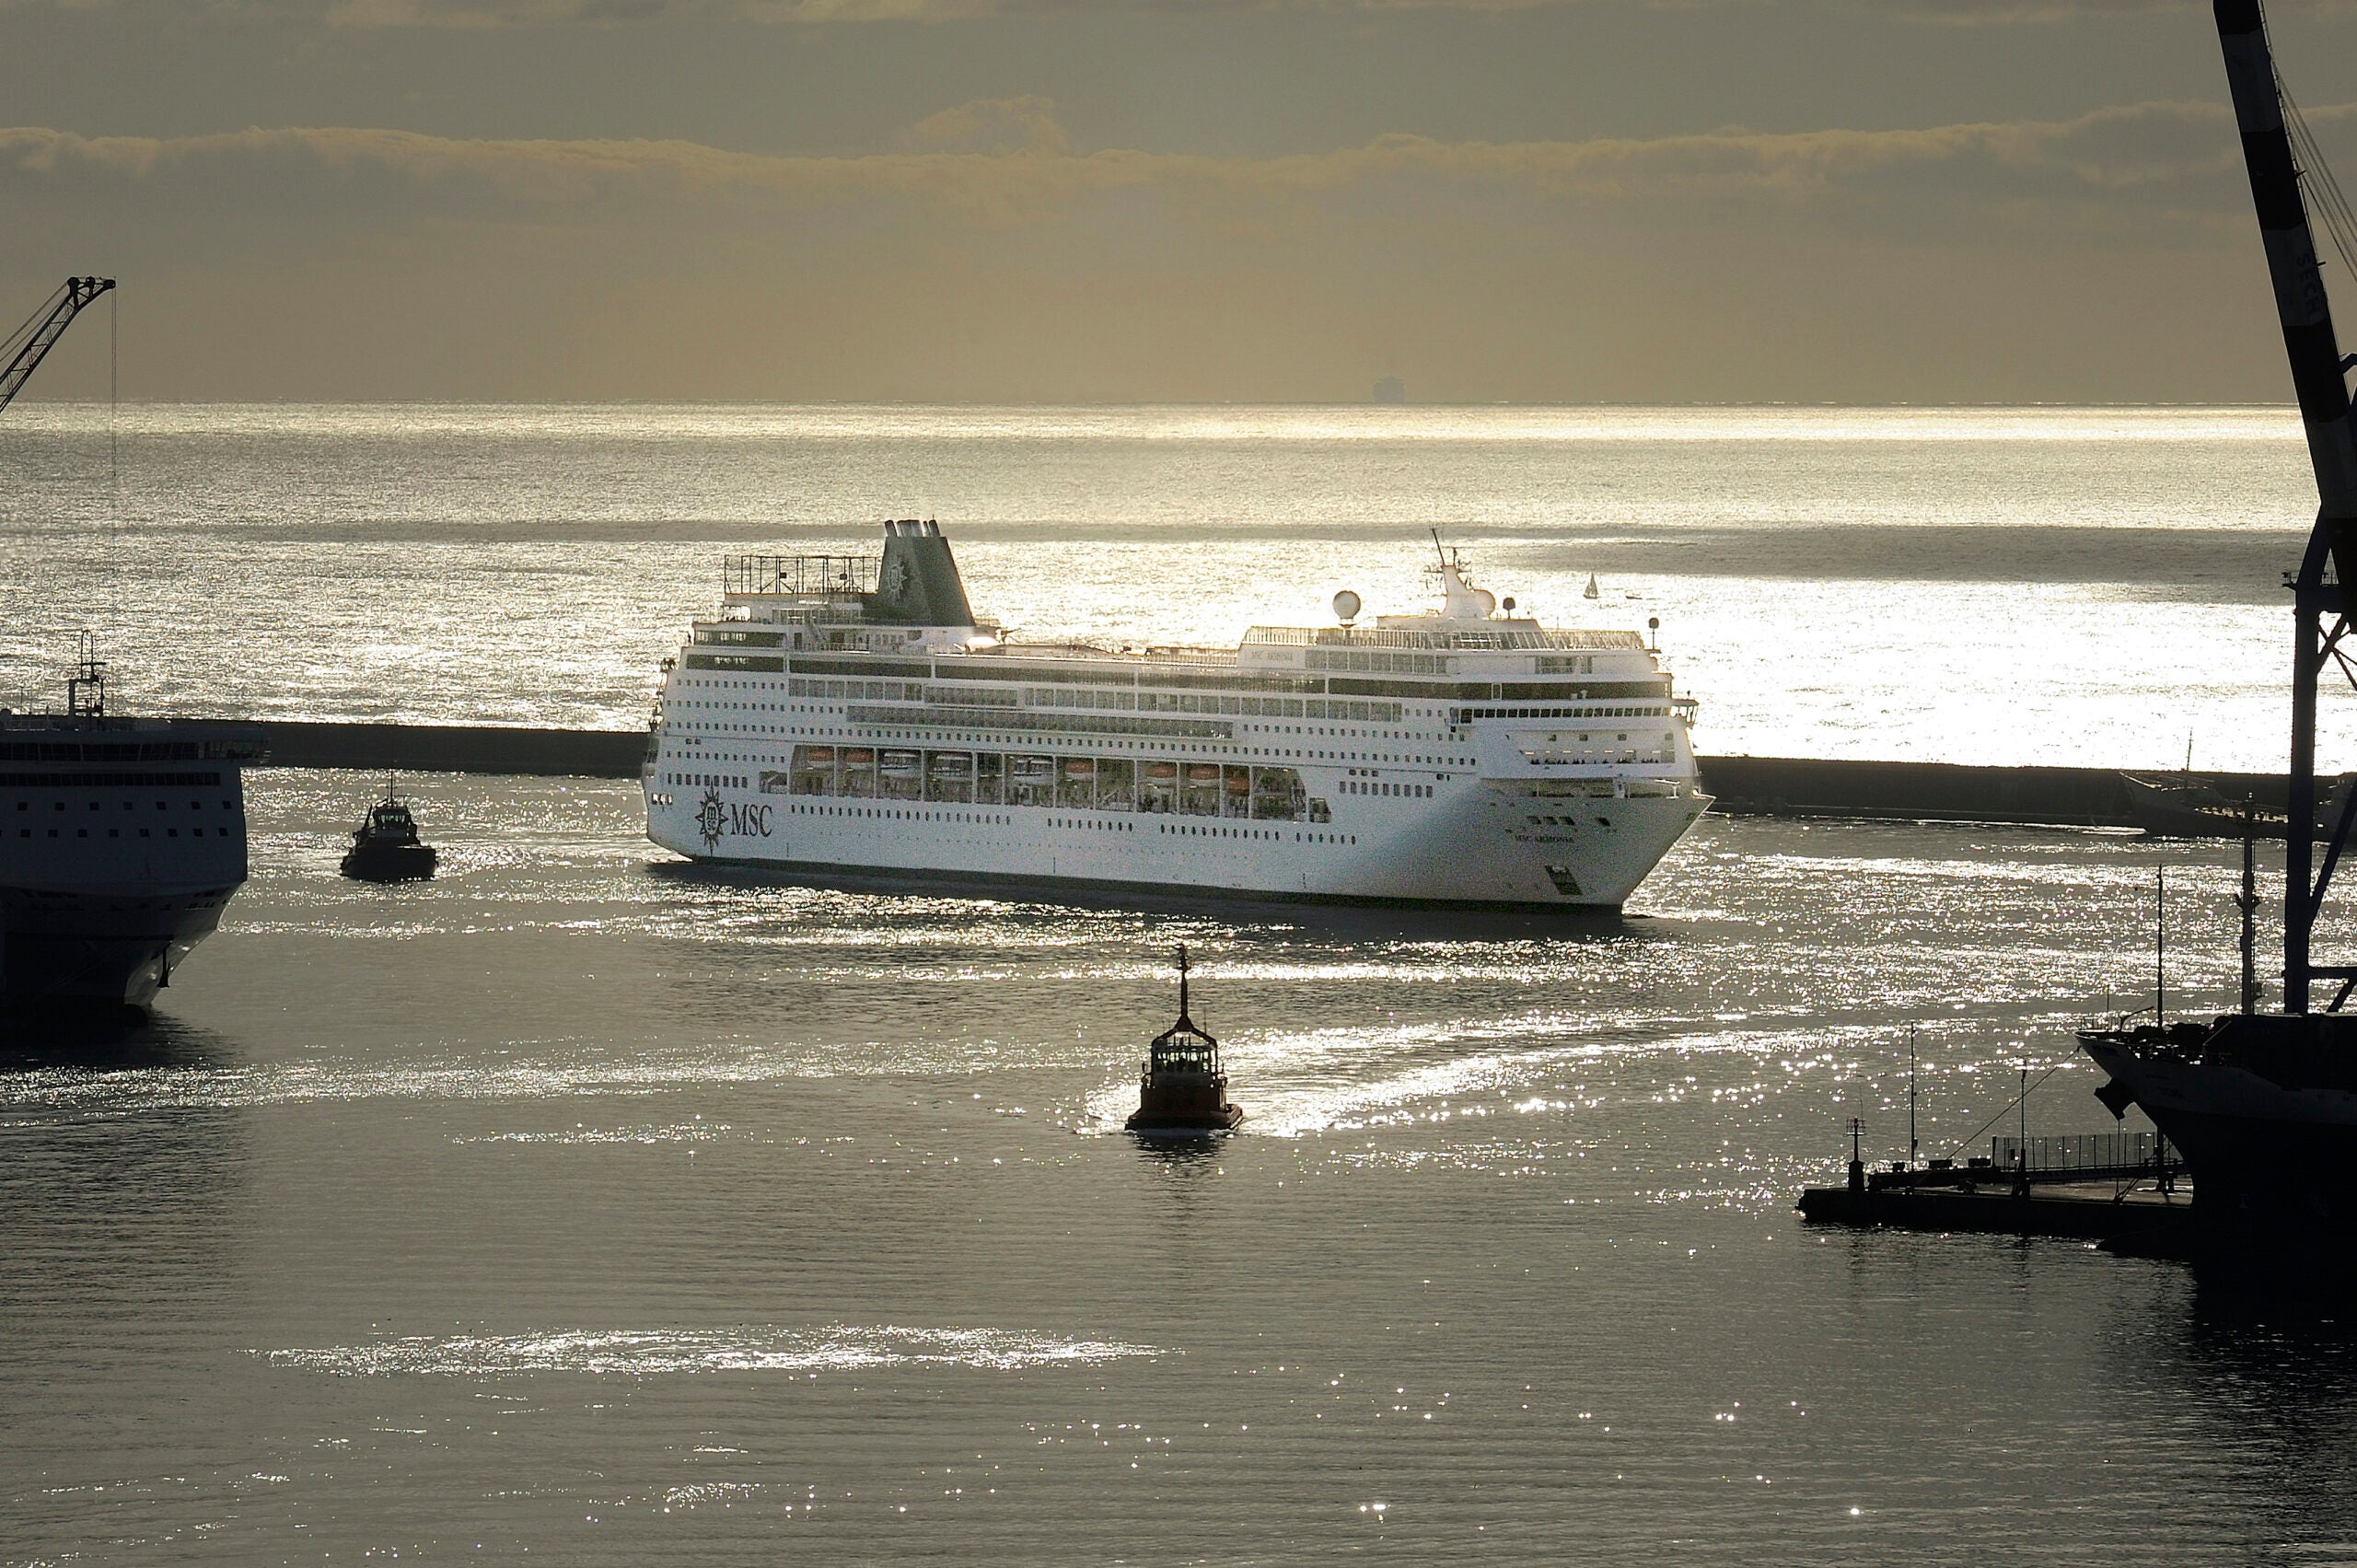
x,y
1974,1136
114,464
2330,205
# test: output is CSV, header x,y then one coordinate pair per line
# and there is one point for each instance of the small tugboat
x,y
1183,1094
385,847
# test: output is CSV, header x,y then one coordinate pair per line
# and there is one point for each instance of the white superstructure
x,y
851,716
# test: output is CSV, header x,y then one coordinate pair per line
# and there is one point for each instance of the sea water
x,y
2092,587
579,1206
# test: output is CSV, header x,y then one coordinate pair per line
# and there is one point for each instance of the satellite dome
x,y
1346,605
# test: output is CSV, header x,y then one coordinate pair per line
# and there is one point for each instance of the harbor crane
x,y
25,347
2281,157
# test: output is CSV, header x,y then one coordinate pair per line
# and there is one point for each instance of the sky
x,y
1198,201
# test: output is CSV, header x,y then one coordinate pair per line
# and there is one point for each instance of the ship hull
x,y
389,863
1477,850
2264,1110
1226,1119
99,948
121,843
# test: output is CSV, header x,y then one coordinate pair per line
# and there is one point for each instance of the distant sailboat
x,y
1592,591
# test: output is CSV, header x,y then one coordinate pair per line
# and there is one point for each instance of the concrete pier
x,y
1773,786
1745,787
2126,1219
1797,786
447,748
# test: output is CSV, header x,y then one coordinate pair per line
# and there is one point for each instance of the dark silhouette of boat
x,y
2187,806
142,844
2194,806
1184,1092
385,847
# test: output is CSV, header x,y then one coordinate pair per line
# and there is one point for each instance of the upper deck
x,y
91,737
86,733
905,614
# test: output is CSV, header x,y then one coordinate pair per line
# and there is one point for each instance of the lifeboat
x,y
1034,770
817,756
901,765
858,757
1203,773
952,765
1080,767
1162,772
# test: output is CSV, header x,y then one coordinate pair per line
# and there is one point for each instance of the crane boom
x,y
26,345
2300,301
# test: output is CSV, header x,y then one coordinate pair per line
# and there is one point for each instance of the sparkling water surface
x,y
1970,586
582,1207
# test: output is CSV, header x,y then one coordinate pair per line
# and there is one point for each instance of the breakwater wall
x,y
445,749
1783,786
1795,786
1799,786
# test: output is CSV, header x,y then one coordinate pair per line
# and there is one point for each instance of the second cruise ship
x,y
851,714
122,839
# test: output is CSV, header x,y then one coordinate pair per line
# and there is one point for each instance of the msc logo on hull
x,y
717,820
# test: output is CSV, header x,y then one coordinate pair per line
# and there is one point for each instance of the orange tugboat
x,y
1183,1094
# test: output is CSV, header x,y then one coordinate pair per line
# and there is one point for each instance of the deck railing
x,y
2093,1154
1460,638
801,575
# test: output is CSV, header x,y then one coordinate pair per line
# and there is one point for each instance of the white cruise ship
x,y
850,715
122,839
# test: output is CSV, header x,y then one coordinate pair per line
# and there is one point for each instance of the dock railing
x,y
2129,1157
2073,1156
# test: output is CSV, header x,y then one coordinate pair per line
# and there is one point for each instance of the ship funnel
x,y
917,582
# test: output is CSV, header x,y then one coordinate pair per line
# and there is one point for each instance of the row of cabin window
x,y
1111,784
1401,664
1111,827
1121,699
1468,714
144,832
1375,786
160,805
